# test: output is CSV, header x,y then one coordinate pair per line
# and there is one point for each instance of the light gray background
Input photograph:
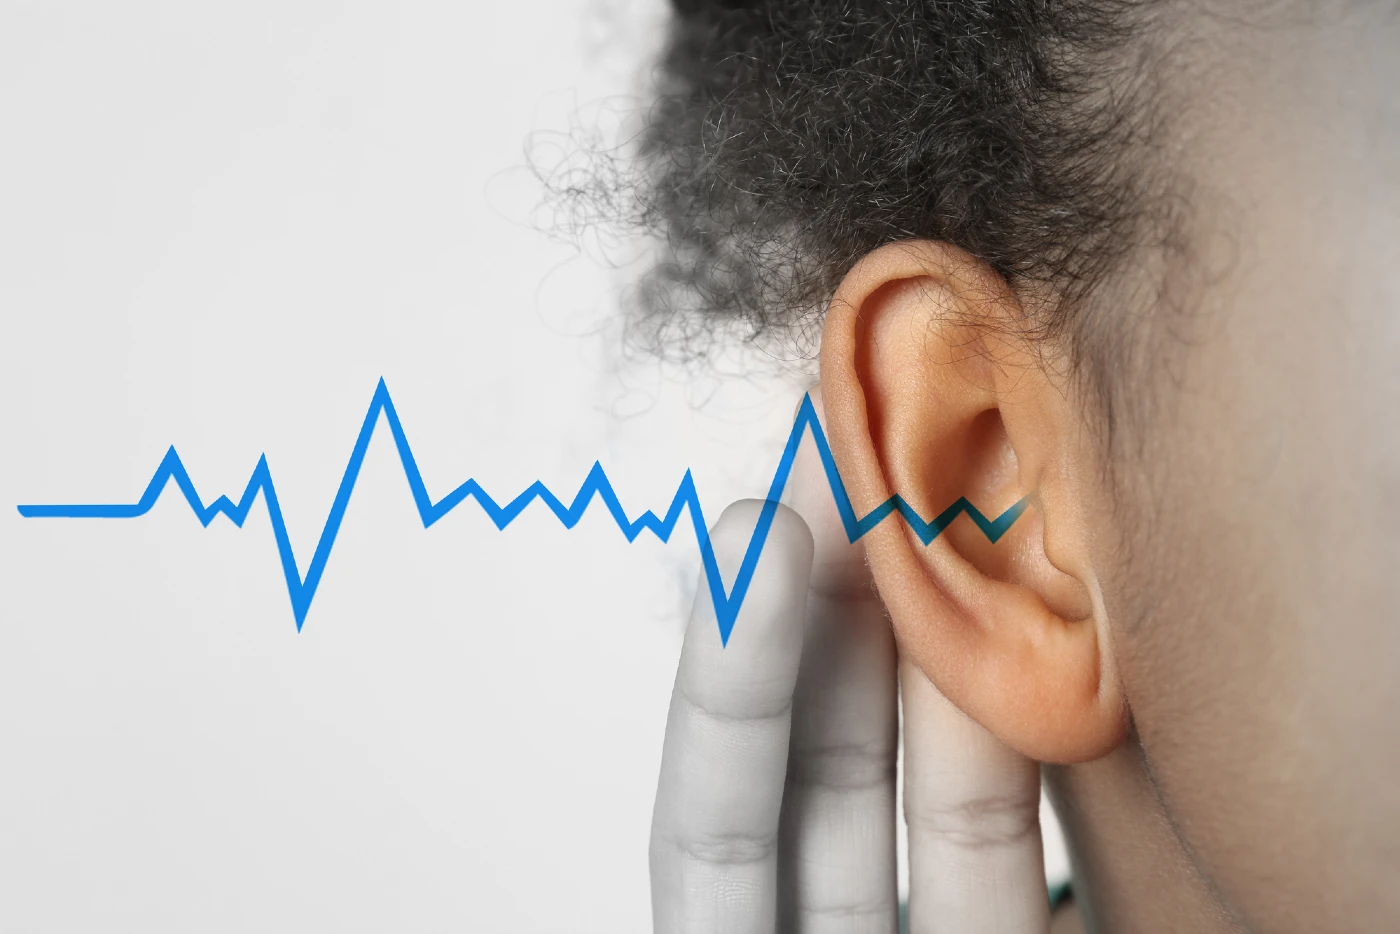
x,y
219,226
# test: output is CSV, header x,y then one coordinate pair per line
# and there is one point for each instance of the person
x,y
1139,264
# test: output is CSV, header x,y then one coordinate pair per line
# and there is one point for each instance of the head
x,y
1141,262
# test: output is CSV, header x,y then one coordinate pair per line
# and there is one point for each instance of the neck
x,y
1132,871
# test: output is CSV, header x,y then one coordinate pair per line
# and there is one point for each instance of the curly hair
x,y
790,137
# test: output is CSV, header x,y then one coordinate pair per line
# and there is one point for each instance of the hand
x,y
775,809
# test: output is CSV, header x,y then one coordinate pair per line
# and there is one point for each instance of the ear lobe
x,y
934,390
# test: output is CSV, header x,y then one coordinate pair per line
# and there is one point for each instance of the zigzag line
x,y
302,590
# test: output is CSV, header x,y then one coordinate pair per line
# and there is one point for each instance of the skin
x,y
1194,624
1255,627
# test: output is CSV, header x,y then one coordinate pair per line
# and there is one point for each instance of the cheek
x,y
1256,622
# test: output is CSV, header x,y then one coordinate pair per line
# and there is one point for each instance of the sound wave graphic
x,y
302,590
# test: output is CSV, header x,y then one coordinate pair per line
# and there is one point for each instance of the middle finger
x,y
837,840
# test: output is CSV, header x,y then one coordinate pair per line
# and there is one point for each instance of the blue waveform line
x,y
302,590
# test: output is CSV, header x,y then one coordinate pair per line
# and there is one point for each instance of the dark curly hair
x,y
790,137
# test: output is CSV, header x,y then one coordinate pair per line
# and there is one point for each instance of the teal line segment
x,y
302,590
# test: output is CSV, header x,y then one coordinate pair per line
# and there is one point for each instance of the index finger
x,y
837,864
714,860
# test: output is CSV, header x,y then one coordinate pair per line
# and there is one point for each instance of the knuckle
x,y
986,821
848,912
848,766
726,848
754,706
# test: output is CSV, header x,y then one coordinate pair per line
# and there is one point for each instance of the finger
x,y
837,862
715,824
837,840
972,807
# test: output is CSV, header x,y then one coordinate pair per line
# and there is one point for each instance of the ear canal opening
x,y
992,469
990,477
993,483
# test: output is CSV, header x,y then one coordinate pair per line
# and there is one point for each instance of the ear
x,y
935,388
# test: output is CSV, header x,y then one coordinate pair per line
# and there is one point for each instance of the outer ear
x,y
935,389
